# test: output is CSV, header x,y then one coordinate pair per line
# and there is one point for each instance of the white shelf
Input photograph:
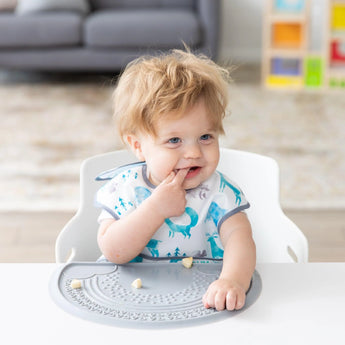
x,y
287,53
288,18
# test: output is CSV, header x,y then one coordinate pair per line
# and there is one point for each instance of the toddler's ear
x,y
135,145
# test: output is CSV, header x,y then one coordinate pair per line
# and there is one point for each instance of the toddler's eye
x,y
206,137
174,140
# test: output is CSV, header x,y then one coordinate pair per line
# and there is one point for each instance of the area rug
x,y
48,129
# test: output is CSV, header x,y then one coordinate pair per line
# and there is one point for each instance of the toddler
x,y
173,203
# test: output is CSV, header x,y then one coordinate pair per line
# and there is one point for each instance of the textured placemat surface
x,y
171,295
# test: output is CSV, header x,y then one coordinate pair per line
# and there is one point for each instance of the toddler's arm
x,y
122,240
229,290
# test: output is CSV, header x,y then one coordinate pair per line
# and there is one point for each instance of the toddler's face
x,y
189,142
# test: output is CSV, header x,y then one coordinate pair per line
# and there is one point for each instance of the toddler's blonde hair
x,y
156,87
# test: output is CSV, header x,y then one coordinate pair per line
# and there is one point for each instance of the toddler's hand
x,y
170,197
224,294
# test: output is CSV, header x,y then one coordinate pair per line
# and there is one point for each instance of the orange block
x,y
287,35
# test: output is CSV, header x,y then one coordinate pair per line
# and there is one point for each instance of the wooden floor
x,y
30,237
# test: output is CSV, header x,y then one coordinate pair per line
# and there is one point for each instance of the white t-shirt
x,y
195,233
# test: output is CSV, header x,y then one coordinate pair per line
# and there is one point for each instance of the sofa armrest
x,y
209,12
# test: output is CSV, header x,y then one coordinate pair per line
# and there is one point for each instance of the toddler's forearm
x,y
239,259
122,240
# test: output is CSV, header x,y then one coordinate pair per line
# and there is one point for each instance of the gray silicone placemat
x,y
170,296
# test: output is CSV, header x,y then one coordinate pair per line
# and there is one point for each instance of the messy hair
x,y
156,87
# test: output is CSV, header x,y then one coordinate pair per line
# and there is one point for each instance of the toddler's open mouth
x,y
193,171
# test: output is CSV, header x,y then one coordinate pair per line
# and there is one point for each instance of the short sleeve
x,y
228,201
115,198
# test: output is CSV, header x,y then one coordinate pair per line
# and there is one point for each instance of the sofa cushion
x,y
34,6
40,30
99,4
8,5
142,28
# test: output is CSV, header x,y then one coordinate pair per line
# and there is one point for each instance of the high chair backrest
x,y
277,238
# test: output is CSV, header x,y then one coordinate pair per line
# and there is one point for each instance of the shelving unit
x,y
289,60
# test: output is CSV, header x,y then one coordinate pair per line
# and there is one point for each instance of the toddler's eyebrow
x,y
170,134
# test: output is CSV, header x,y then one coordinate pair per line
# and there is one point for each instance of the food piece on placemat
x,y
137,284
187,262
75,284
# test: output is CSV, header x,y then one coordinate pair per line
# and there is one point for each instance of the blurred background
x,y
59,61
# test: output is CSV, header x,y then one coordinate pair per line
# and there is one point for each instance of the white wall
x,y
241,30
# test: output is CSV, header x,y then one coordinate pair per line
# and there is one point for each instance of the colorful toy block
x,y
284,81
338,16
337,51
289,5
287,35
314,71
285,66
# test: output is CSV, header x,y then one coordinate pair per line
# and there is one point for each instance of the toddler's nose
x,y
192,152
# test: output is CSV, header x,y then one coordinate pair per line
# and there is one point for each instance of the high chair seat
x,y
277,238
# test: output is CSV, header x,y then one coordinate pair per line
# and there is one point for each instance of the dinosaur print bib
x,y
195,233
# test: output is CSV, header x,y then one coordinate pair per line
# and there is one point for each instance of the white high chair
x,y
277,238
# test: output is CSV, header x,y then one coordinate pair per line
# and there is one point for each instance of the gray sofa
x,y
106,36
